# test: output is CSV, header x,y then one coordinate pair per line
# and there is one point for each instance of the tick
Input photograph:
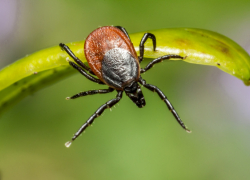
x,y
113,62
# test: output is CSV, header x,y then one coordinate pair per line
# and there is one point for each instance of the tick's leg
x,y
123,30
167,102
99,111
76,59
143,40
83,72
91,92
160,59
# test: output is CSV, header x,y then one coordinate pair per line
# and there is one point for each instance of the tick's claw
x,y
67,144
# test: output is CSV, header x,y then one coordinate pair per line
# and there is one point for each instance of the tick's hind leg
x,y
76,59
143,40
160,59
91,92
99,111
123,30
167,102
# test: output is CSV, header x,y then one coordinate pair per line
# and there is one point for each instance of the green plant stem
x,y
48,66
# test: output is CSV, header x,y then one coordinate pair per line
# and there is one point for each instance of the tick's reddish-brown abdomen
x,y
101,41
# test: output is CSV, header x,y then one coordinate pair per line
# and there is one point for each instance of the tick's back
x,y
102,40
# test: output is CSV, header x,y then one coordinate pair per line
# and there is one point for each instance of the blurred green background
x,y
127,143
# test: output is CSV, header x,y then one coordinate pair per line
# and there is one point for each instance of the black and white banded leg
x,y
167,102
76,59
99,111
83,72
160,59
91,92
143,40
124,31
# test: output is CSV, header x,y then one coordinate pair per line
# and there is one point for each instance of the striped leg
x,y
167,102
99,111
78,61
124,31
83,72
143,40
91,92
160,59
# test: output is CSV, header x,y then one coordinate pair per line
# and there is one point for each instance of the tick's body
x,y
112,58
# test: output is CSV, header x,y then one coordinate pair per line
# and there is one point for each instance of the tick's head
x,y
133,91
131,88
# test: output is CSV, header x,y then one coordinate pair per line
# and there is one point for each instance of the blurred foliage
x,y
127,143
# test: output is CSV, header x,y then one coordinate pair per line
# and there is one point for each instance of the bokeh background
x,y
127,143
